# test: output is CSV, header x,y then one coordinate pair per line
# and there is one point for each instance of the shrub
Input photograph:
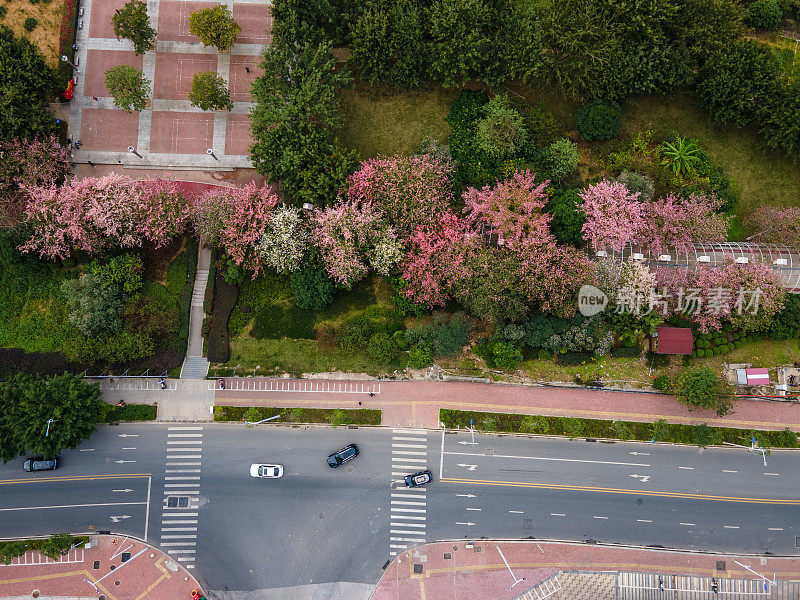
x,y
657,361
338,417
382,347
565,208
124,271
214,26
30,24
420,356
312,289
210,92
703,435
573,427
626,351
3,12
562,158
446,335
598,120
764,14
506,356
128,86
703,388
787,439
95,308
786,323
353,335
575,358
623,430
489,424
661,383
636,182
543,354
501,133
535,424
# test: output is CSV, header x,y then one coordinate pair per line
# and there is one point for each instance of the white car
x,y
266,471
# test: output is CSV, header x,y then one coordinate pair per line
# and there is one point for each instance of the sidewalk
x,y
417,403
456,571
99,572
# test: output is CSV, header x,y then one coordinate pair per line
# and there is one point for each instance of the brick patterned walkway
x,y
169,133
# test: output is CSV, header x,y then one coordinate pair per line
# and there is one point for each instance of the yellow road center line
x,y
74,478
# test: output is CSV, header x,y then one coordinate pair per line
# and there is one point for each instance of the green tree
x,y
295,121
506,356
26,83
388,44
501,133
214,26
28,401
313,21
210,92
123,271
599,120
562,158
95,307
764,14
566,209
682,156
781,124
703,388
460,38
312,289
128,86
132,23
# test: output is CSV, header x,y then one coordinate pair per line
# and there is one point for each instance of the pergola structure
x,y
785,260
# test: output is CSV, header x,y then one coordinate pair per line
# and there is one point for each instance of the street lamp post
x,y
132,150
516,581
47,433
66,59
210,152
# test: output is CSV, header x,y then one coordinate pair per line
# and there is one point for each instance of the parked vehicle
x,y
342,456
419,479
266,471
39,464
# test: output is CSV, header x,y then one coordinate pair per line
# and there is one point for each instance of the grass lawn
x,y
378,123
45,34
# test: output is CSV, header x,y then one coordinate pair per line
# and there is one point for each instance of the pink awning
x,y
757,376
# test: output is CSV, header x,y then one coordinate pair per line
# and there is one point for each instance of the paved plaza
x,y
169,133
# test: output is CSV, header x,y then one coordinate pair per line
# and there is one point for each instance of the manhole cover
x,y
447,555
350,469
113,567
177,501
417,569
527,523
116,582
490,452
321,515
476,549
592,482
126,556
455,547
639,501
393,485
720,565
35,593
96,564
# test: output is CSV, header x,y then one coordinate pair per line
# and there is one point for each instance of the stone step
x,y
194,367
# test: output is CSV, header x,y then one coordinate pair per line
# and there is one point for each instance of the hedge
x,y
334,416
130,412
185,303
701,435
225,296
626,352
66,39
53,547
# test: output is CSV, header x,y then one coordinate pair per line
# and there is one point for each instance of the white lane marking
x,y
557,515
771,473
181,492
468,467
397,546
391,553
405,531
405,539
183,442
407,503
183,514
687,468
776,528
182,471
395,495
401,459
174,544
410,517
87,450
408,510
468,524
688,524
409,467
408,430
179,522
174,485
410,452
129,448
441,456
643,521
72,506
575,460
729,471
181,552
185,559
399,524
730,526
184,429
184,464
409,445
179,529
184,435
176,477
409,439
517,512
599,517
174,456
188,536
474,509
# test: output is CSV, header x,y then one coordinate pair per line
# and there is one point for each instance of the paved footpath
x,y
99,572
417,403
475,570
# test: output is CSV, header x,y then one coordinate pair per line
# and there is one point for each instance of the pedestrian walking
x,y
91,164
95,98
247,69
359,403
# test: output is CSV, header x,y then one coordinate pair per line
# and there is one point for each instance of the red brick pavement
x,y
175,73
101,61
173,19
112,130
471,575
181,133
100,25
417,404
149,574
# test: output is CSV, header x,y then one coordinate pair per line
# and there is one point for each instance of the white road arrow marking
x,y
466,443
123,461
469,467
642,478
125,490
468,524
639,453
466,496
117,519
127,435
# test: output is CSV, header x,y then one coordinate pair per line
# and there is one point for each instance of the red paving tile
x,y
417,403
255,21
471,575
238,138
181,133
109,130
149,574
100,19
101,61
175,72
241,81
173,19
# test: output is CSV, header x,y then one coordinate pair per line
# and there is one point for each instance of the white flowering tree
x,y
285,241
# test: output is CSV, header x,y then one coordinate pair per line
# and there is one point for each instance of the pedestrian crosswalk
x,y
408,512
179,514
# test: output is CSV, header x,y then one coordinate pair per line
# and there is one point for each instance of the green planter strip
x,y
332,416
699,435
52,547
129,412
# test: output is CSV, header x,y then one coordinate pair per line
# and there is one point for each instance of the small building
x,y
752,376
673,340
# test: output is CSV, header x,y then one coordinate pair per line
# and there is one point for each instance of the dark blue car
x,y
344,455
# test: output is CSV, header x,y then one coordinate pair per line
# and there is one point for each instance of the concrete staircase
x,y
195,365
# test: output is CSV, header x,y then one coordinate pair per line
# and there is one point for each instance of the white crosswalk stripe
x,y
181,492
408,506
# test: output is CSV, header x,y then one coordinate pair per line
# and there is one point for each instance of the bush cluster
x,y
361,416
52,547
599,120
715,343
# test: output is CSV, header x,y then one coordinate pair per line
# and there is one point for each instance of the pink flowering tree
x,y
236,218
773,225
412,191
38,162
91,215
353,238
673,223
614,216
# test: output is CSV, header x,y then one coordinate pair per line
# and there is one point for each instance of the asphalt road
x,y
319,525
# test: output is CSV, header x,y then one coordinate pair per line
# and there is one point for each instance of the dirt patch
x,y
46,34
